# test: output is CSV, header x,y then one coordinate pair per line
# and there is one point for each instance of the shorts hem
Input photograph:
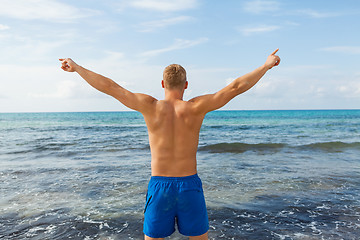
x,y
194,235
159,236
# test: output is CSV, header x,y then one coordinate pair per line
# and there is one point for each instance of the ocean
x,y
266,175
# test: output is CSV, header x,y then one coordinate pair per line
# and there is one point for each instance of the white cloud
x,y
49,10
153,25
259,6
28,82
67,89
291,23
132,73
343,49
350,90
294,87
316,14
271,87
164,5
293,82
247,31
317,90
3,27
26,49
178,44
309,82
64,89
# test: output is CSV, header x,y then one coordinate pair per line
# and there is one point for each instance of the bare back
x,y
173,129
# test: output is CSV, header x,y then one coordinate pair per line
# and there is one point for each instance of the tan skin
x,y
173,124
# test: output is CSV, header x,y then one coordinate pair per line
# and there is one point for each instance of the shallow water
x,y
266,175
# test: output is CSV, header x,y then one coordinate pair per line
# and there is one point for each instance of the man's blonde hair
x,y
174,76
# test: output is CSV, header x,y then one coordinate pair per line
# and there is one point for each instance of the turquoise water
x,y
266,174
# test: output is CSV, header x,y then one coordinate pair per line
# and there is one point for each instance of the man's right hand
x,y
273,60
68,65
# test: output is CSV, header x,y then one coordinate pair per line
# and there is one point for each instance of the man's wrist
x,y
265,67
77,68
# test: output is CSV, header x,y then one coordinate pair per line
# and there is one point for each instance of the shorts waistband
x,y
174,179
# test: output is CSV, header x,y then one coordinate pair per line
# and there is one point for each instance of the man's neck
x,y
171,95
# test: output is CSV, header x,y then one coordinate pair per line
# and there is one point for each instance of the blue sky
x,y
216,41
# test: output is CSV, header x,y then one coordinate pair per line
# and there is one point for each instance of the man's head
x,y
174,77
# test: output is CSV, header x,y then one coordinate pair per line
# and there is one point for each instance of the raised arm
x,y
136,101
206,103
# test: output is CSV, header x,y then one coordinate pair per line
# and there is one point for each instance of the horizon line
x,y
118,111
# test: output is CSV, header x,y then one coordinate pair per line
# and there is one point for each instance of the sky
x,y
216,41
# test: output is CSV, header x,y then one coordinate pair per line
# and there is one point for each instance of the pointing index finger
x,y
275,52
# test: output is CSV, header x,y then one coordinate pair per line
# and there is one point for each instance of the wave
x,y
332,146
72,148
238,147
242,147
67,149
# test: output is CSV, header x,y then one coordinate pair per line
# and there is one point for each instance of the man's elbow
x,y
106,87
242,87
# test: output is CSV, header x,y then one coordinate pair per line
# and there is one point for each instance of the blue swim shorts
x,y
171,200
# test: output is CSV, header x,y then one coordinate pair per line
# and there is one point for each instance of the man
x,y
175,192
